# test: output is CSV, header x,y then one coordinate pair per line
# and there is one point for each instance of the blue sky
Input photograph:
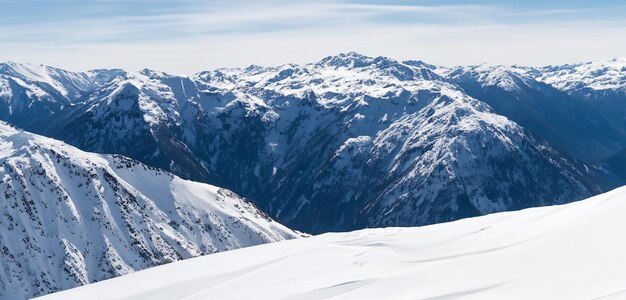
x,y
187,36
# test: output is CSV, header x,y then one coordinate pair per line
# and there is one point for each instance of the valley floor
x,y
573,251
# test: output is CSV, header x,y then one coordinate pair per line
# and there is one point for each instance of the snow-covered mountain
x,y
566,122
348,142
601,83
70,217
584,77
616,164
142,115
573,251
32,92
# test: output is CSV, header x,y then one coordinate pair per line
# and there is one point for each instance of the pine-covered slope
x,y
70,218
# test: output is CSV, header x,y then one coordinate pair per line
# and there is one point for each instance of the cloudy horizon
x,y
190,36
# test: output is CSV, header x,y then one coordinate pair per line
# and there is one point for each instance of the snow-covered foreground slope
x,y
573,251
68,218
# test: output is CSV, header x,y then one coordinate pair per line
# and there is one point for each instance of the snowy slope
x,y
573,251
70,217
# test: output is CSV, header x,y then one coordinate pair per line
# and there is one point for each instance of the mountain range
x,y
350,141
345,143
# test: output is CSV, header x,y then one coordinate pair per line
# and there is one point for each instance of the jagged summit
x,y
125,94
420,63
26,69
600,83
347,59
154,73
72,85
510,78
401,70
621,60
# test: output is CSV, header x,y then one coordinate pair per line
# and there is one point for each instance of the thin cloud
x,y
195,37
563,11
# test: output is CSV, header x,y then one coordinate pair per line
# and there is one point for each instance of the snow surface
x,y
572,251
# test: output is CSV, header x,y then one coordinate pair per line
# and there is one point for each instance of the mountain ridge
x,y
72,218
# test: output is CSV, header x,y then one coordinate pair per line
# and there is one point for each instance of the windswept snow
x,y
573,251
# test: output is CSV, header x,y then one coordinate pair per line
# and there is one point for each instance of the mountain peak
x,y
607,75
617,63
420,64
153,73
401,70
126,90
508,78
349,59
26,70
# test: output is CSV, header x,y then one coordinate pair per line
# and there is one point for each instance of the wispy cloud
x,y
567,11
221,18
185,36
